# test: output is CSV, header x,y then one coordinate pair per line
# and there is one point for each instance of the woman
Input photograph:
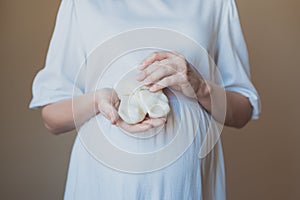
x,y
80,27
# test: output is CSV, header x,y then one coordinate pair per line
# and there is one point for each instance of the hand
x,y
143,126
107,103
170,69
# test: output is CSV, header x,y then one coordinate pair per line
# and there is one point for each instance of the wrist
x,y
95,102
204,93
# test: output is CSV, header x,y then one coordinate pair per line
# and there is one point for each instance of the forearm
x,y
238,108
61,117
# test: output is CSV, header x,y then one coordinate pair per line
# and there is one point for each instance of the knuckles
x,y
174,63
155,55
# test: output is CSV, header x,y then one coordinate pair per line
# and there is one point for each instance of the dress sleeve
x,y
56,81
231,57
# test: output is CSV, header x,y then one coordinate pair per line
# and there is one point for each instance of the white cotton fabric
x,y
80,27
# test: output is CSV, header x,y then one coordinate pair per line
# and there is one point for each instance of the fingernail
x,y
141,66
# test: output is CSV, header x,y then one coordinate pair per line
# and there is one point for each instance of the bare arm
x,y
58,117
238,108
61,117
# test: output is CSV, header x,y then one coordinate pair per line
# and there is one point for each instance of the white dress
x,y
81,26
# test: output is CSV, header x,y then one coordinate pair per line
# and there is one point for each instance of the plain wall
x,y
262,159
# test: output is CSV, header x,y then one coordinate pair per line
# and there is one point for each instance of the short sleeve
x,y
57,80
231,57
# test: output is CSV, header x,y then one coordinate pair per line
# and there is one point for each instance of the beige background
x,y
262,160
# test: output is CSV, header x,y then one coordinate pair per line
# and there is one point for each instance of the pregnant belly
x,y
148,150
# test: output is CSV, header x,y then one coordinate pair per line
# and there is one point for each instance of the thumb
x,y
110,112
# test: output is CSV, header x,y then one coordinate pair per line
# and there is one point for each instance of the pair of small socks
x,y
135,106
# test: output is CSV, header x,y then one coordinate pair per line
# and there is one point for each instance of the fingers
x,y
168,81
110,112
134,128
157,75
164,69
108,102
149,70
145,125
155,72
155,122
156,56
